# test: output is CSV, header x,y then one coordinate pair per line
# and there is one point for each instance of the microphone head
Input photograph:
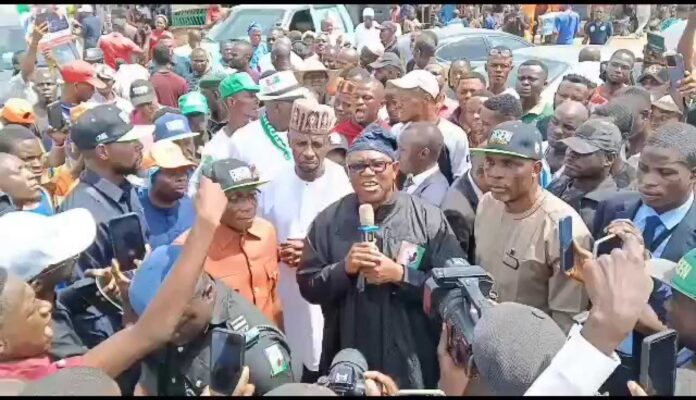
x,y
513,344
351,356
367,215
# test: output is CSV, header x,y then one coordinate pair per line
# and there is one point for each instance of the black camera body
x,y
458,294
345,376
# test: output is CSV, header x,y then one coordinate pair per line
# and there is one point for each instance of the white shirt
x,y
420,178
364,35
669,219
456,142
219,147
18,88
265,63
578,369
291,205
124,77
251,145
123,104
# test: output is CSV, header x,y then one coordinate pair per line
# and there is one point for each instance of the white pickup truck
x,y
301,17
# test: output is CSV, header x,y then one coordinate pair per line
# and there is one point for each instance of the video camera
x,y
345,376
459,293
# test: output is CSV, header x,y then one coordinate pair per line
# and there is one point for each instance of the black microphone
x,y
367,229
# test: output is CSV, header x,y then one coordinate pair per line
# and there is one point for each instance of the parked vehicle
x,y
457,42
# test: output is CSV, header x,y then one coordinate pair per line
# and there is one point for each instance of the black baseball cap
x,y
594,135
514,138
105,124
657,72
142,92
233,174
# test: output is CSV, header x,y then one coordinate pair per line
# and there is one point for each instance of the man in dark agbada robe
x,y
385,322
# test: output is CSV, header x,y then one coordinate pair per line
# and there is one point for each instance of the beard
x,y
126,170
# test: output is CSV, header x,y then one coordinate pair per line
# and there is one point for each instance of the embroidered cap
x,y
233,174
312,118
514,138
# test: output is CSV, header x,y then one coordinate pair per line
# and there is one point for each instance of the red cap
x,y
80,71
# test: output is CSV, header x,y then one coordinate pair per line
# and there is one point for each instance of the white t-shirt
x,y
364,35
126,75
219,147
291,205
456,142
18,88
251,145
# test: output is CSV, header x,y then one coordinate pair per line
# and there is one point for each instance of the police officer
x,y
183,367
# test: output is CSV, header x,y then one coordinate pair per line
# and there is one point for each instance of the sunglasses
x,y
500,52
377,166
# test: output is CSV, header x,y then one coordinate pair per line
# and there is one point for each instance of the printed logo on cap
x,y
240,174
682,269
140,90
500,136
175,125
102,137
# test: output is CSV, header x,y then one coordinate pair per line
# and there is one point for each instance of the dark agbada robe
x,y
386,323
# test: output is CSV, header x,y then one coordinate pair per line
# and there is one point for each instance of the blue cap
x,y
150,275
375,137
172,126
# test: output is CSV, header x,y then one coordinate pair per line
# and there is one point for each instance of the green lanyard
x,y
272,135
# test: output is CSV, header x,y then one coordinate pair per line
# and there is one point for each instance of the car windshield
x,y
235,27
12,40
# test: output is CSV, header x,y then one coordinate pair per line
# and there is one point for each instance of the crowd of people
x,y
246,171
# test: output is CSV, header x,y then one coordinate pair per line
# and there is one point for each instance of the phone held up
x,y
226,359
658,363
127,240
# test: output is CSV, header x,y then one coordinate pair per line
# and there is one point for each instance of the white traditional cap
x,y
418,79
376,47
85,8
368,12
30,242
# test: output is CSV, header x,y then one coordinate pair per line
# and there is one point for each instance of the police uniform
x,y
185,370
522,251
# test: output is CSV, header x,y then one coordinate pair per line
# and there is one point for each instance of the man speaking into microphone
x,y
383,318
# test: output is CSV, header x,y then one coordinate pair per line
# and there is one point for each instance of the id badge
x,y
410,255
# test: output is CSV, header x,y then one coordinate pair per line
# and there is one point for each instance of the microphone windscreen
x,y
352,356
367,215
513,344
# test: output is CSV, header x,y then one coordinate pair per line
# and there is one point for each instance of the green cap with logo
x,y
211,80
594,135
236,83
680,276
514,138
192,103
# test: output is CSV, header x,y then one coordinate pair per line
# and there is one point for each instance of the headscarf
x,y
375,137
164,17
254,26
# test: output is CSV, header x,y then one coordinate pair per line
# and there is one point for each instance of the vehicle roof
x,y
561,53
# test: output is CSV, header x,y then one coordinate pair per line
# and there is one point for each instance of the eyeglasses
x,y
377,166
500,52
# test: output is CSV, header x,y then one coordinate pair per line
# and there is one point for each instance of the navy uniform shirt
x,y
599,32
105,201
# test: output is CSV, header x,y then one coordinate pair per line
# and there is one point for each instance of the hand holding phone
x,y
226,360
565,238
658,363
675,66
127,241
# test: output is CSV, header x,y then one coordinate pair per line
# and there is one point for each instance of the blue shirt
x,y
447,13
259,51
167,224
92,29
567,24
489,22
45,206
599,32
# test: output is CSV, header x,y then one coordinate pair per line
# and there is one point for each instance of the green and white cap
x,y
680,276
514,138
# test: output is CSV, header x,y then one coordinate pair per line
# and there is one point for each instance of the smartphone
x,y
675,66
565,234
55,116
613,240
658,363
226,359
656,42
127,240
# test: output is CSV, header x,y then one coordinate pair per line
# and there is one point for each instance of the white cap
x,y
282,85
368,12
376,47
85,8
30,242
418,79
